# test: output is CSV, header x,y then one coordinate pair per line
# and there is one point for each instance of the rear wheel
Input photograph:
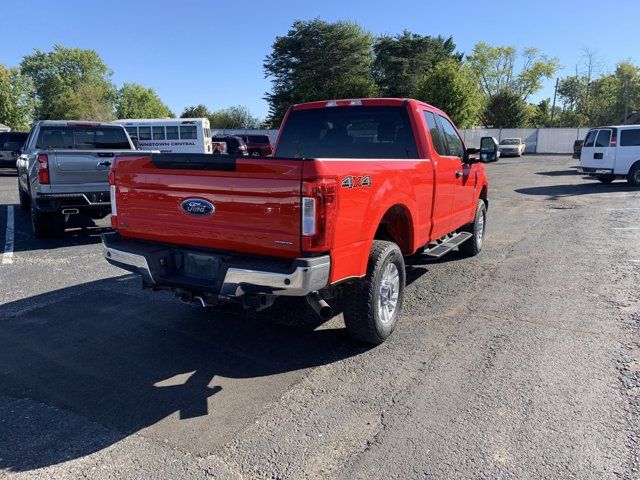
x,y
634,175
372,306
24,198
606,178
473,246
46,224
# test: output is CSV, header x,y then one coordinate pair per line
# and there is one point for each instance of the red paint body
x,y
258,206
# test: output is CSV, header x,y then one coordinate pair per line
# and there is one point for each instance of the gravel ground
x,y
523,362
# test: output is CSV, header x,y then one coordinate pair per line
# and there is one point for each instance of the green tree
x,y
196,111
401,61
61,75
540,114
451,87
136,101
504,86
17,103
318,60
233,118
596,101
505,109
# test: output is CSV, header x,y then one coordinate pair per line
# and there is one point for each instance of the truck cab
x,y
354,186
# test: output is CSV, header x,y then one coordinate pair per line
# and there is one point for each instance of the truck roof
x,y
371,102
74,123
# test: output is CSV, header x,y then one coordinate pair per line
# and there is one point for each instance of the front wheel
x,y
372,306
473,246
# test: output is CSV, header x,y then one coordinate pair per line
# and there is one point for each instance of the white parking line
x,y
7,256
623,209
626,228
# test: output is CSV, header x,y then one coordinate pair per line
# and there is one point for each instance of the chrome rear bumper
x,y
230,275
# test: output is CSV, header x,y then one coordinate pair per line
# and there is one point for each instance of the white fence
x,y
538,140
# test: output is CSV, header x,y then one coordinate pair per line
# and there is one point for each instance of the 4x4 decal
x,y
355,182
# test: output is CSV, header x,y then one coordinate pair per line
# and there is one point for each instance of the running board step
x,y
445,247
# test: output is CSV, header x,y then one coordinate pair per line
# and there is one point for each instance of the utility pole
x,y
626,101
553,108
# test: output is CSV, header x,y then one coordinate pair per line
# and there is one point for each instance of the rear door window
x,y
590,139
455,147
348,132
630,137
604,138
436,134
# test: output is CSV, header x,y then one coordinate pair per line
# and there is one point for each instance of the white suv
x,y
612,152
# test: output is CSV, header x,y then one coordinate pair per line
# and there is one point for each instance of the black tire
x,y
473,246
46,224
25,200
606,178
362,302
634,175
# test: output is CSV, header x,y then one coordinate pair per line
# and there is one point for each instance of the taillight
x,y
614,141
43,168
318,214
112,197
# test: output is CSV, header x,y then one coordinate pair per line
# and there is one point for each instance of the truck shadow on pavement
x,y
80,230
84,367
590,187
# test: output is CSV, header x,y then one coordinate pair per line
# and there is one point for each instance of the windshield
x,y
83,138
348,132
510,141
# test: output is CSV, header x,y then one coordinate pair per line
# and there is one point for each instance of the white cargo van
x,y
612,152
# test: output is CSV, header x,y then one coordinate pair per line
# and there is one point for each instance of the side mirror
x,y
471,156
488,149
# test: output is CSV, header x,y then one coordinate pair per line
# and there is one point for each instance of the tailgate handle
x,y
106,163
105,154
597,156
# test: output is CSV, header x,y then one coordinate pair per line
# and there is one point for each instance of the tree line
x,y
491,86
74,83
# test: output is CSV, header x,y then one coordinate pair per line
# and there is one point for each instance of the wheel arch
x,y
397,225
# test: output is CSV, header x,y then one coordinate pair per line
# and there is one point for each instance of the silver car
x,y
512,146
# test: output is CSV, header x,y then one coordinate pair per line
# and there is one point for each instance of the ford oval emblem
x,y
197,207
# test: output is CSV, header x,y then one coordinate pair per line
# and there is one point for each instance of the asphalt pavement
x,y
523,362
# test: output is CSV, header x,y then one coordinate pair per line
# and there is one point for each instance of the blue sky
x,y
211,52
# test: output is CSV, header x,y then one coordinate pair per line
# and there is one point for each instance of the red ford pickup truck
x,y
354,187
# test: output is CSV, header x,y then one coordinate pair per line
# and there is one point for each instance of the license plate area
x,y
200,266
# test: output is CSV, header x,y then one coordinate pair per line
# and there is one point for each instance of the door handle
x,y
597,156
106,163
458,173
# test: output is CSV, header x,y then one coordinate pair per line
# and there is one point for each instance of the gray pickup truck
x,y
63,170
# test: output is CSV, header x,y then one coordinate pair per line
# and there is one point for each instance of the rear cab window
x,y
436,134
83,138
348,132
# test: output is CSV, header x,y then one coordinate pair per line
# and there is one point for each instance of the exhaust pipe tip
x,y
320,306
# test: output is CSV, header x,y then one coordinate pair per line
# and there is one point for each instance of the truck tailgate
x,y
78,167
256,201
